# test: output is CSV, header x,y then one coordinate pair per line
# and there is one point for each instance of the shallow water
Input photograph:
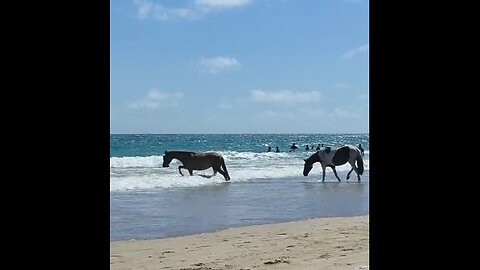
x,y
148,201
181,211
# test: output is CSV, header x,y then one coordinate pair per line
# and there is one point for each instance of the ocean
x,y
148,201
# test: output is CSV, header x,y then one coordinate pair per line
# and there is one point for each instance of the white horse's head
x,y
307,167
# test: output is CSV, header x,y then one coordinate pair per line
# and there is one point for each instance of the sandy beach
x,y
323,243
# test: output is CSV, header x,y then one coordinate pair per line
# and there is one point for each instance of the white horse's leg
x,y
356,171
335,172
361,160
348,174
352,163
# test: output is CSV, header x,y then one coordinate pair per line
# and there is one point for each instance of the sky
x,y
239,66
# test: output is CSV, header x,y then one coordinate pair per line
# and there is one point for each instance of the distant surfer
x,y
278,150
269,149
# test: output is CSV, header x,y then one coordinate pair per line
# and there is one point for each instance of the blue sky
x,y
239,66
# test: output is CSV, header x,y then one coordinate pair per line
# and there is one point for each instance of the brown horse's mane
x,y
180,153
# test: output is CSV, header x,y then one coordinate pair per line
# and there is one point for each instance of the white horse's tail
x,y
360,163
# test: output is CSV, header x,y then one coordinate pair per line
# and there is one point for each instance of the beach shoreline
x,y
320,243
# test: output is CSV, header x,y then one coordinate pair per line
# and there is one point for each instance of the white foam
x,y
156,180
129,173
129,162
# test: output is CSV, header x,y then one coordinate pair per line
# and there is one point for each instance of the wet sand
x,y
322,243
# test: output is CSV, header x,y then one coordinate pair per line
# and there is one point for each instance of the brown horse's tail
x,y
359,163
227,176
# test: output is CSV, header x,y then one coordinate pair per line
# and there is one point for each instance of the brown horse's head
x,y
309,163
166,159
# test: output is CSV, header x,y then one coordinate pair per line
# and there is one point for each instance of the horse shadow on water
x,y
333,156
197,161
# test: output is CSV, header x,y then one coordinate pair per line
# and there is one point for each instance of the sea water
x,y
149,201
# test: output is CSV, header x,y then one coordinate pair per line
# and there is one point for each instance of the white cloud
x,y
275,114
144,7
156,98
344,113
222,3
284,96
163,14
311,112
352,53
301,113
147,8
217,64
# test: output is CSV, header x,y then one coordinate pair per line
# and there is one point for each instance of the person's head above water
x,y
293,147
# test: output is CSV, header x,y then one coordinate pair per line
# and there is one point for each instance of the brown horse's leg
x,y
335,172
190,171
180,171
224,175
218,169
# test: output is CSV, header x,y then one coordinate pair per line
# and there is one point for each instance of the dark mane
x,y
181,153
313,158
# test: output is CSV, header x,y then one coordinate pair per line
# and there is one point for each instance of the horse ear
x,y
165,152
305,160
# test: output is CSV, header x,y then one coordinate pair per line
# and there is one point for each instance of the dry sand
x,y
323,243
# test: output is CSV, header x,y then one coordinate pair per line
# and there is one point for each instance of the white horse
x,y
333,156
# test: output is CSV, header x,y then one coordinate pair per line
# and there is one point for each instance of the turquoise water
x,y
148,201
147,145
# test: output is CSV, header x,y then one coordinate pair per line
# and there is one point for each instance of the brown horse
x,y
333,156
197,161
